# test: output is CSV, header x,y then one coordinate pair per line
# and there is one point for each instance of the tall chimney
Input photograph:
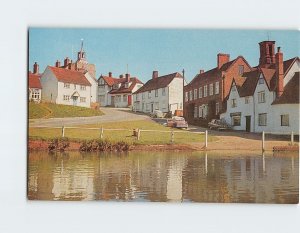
x,y
127,78
201,71
57,63
154,74
35,68
222,59
109,74
279,72
66,62
267,56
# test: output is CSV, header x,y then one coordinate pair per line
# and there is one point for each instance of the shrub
x,y
58,144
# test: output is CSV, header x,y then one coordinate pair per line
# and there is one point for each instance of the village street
x,y
111,115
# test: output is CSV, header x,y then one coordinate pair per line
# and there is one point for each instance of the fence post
x,y
292,138
138,134
172,136
205,139
63,131
101,133
263,141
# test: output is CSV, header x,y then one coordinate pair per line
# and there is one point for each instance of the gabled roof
x,y
290,94
34,80
159,82
123,88
69,76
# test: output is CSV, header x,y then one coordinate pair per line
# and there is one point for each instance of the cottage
x,y
34,84
65,86
164,93
204,96
117,92
266,98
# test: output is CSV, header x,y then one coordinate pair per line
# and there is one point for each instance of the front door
x,y
151,107
248,123
75,98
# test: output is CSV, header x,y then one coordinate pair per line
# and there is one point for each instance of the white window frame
x,y
82,87
217,88
247,100
82,99
211,89
163,91
67,85
261,97
195,111
284,120
205,91
186,96
191,95
156,93
233,103
200,92
195,94
66,97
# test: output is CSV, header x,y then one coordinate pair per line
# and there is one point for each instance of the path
x,y
111,115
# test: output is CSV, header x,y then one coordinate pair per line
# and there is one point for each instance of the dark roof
x,y
69,76
159,82
123,88
290,94
34,80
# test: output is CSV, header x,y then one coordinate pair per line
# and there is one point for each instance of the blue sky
x,y
145,50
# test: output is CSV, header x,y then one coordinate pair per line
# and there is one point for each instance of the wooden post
x,y
172,136
101,133
205,139
63,131
138,134
263,141
264,162
292,138
206,163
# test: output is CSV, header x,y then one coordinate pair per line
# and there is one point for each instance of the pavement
x,y
111,115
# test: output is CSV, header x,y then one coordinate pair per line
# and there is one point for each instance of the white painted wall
x,y
295,68
50,86
176,94
31,94
94,87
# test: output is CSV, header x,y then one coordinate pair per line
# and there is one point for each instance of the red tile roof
x,y
34,81
290,94
69,76
159,82
123,88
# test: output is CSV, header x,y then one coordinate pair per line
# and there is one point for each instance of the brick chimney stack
x,y
201,72
57,63
267,53
66,62
279,72
110,74
127,78
35,68
121,76
155,74
222,59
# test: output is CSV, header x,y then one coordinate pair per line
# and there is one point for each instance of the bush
x,y
58,144
103,145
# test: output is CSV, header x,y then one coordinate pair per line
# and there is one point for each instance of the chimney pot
x,y
278,49
57,63
127,78
201,71
109,74
35,68
222,59
155,74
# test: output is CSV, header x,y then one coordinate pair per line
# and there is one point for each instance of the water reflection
x,y
198,177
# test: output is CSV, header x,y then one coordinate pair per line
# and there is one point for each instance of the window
x,y
66,97
262,119
156,93
124,98
261,97
35,94
261,79
163,91
149,94
66,85
82,87
101,81
126,85
211,89
200,111
217,108
205,91
143,95
284,119
186,96
241,69
236,120
200,92
233,103
195,112
216,88
195,94
247,100
191,95
82,99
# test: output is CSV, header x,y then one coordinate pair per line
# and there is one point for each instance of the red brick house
x,y
204,96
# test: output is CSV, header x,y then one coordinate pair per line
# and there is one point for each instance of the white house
x,y
65,86
164,93
34,84
117,92
266,99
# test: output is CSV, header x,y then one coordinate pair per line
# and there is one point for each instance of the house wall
x,y
49,84
70,91
119,101
295,68
176,94
103,91
94,87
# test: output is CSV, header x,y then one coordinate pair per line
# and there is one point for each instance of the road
x,y
111,115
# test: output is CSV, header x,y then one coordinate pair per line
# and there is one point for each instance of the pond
x,y
161,176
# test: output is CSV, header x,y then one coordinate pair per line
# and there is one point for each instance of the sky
x,y
145,50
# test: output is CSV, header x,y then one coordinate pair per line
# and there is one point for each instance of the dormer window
x,y
241,69
261,79
126,85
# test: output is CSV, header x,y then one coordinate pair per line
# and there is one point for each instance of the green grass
x,y
49,110
180,137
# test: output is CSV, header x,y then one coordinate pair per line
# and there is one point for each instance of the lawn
x,y
180,136
49,110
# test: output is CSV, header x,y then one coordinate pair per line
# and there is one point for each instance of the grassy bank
x,y
180,136
49,110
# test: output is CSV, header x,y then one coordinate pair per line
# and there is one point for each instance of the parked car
x,y
177,122
218,124
157,114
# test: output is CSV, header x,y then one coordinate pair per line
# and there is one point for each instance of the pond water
x,y
160,176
